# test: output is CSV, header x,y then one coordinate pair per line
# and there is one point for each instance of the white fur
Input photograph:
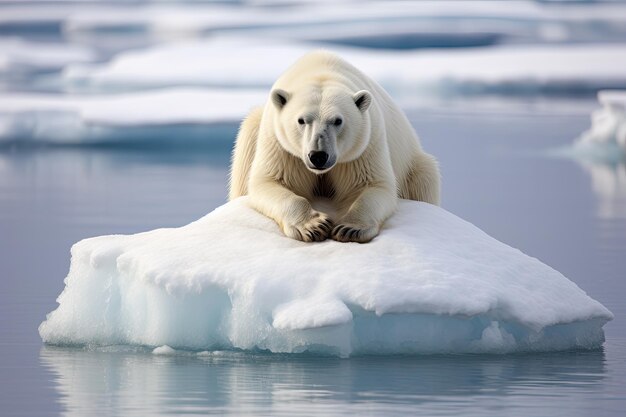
x,y
374,155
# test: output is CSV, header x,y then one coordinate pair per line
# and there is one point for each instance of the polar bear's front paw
x,y
353,233
315,229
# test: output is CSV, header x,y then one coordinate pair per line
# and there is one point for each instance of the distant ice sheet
x,y
19,56
194,16
566,69
430,283
330,18
101,118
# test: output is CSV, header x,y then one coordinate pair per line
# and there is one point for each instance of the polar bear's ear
x,y
362,99
280,97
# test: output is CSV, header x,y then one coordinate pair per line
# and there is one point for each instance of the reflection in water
x,y
601,153
608,181
139,383
601,150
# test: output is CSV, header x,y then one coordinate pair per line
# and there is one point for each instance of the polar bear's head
x,y
322,126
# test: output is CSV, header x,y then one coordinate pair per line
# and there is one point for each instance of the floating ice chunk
x,y
167,106
103,118
608,125
430,282
519,69
601,151
164,350
193,63
19,56
207,354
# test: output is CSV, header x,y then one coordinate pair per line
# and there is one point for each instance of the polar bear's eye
x,y
301,121
338,121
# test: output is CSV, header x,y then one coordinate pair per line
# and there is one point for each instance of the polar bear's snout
x,y
321,153
318,159
320,162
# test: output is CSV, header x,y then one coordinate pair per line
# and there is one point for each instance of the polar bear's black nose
x,y
318,158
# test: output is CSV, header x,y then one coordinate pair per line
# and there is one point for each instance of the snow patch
x,y
429,283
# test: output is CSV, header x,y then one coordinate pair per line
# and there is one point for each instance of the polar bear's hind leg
x,y
421,183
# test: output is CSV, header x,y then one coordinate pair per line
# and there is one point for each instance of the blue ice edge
x,y
369,334
429,283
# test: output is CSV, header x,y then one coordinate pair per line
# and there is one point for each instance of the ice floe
x,y
19,56
567,69
429,283
102,118
608,124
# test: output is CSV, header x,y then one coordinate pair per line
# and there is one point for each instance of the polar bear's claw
x,y
349,233
316,229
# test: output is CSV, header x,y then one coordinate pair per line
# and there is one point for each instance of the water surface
x,y
571,216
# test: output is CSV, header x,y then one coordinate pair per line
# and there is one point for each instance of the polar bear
x,y
328,130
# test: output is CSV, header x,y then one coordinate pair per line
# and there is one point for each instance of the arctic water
x,y
496,175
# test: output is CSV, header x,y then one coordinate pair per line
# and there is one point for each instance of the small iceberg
x,y
429,283
606,139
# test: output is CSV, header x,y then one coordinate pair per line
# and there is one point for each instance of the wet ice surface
x,y
53,198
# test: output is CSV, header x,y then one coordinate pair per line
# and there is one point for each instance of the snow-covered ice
x,y
512,69
101,118
430,282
